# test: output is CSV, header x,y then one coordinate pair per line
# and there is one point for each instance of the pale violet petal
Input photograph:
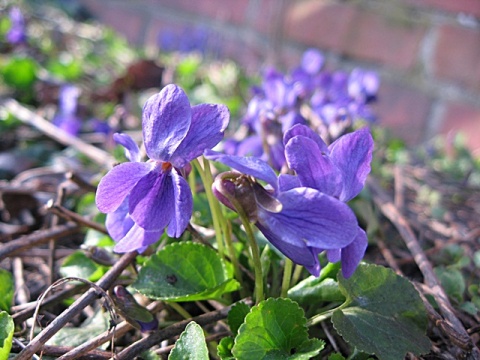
x,y
183,206
117,184
166,120
209,122
132,152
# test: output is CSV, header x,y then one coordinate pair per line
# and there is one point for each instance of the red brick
x,y
127,22
319,23
465,119
375,38
404,111
224,10
471,7
457,56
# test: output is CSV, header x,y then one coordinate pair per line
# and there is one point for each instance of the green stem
x,y
287,275
184,313
296,274
326,314
220,224
206,177
257,264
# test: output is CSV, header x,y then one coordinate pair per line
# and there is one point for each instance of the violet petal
x,y
353,253
302,130
302,255
137,239
152,201
117,184
132,152
166,120
352,154
183,206
311,217
313,169
246,165
206,130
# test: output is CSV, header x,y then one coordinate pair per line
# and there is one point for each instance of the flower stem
x,y
219,222
287,275
257,264
206,177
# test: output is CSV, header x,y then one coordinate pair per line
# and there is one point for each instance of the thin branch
x,y
29,117
118,331
383,201
37,238
158,336
73,216
86,299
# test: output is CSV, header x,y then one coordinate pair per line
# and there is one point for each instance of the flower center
x,y
166,166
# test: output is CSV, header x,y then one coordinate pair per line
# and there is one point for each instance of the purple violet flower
x,y
338,170
159,197
300,222
66,118
16,34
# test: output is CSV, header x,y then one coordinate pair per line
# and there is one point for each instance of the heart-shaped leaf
x,y
185,271
190,345
275,329
384,314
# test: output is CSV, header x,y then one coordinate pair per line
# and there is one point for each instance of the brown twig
x,y
37,238
387,207
73,216
86,299
26,312
118,331
158,336
29,117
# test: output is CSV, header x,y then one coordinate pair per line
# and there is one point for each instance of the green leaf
x,y
7,327
190,345
315,290
275,329
452,281
79,265
224,348
236,316
75,336
6,289
20,72
384,314
185,271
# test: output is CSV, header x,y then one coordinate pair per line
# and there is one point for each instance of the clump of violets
x,y
145,198
329,102
16,34
306,213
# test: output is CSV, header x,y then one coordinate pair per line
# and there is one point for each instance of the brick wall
x,y
426,51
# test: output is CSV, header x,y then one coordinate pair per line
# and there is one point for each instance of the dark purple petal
x,y
353,253
206,130
312,218
334,255
287,182
352,154
119,222
313,169
166,120
183,206
132,152
117,184
152,201
302,130
137,239
302,255
246,165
